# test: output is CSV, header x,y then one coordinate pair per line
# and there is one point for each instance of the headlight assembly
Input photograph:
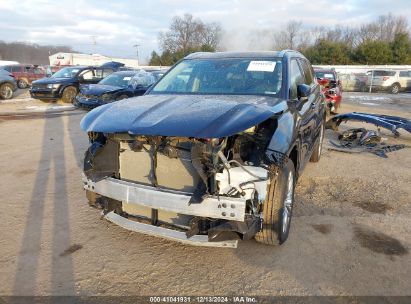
x,y
53,86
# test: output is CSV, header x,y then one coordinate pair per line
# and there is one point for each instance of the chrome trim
x,y
196,240
174,201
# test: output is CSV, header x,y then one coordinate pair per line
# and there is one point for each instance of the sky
x,y
116,26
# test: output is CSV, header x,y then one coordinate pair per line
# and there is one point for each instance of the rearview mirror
x,y
303,91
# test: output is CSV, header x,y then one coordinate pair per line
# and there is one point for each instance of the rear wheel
x,y
92,198
6,91
68,94
395,88
278,206
315,157
22,83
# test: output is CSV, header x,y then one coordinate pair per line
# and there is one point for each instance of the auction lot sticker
x,y
261,66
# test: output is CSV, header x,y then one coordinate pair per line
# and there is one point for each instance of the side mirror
x,y
303,91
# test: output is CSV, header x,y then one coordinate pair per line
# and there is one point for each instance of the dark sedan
x,y
119,85
65,83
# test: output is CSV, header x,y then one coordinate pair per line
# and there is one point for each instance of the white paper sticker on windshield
x,y
126,78
261,66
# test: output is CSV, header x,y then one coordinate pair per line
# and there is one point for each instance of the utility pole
x,y
94,43
136,46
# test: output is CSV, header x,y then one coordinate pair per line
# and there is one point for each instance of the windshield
x,y
66,73
118,80
322,74
223,76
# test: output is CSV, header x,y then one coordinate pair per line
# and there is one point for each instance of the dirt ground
x,y
351,230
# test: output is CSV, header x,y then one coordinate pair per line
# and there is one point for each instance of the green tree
x,y
374,52
328,52
401,49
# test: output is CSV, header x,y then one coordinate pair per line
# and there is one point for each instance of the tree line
x,y
30,53
385,40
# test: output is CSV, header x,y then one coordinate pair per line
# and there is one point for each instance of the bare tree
x,y
289,37
187,33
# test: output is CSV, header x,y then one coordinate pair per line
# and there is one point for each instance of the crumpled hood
x,y
200,116
98,89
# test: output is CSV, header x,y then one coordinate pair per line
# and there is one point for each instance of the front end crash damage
x,y
201,191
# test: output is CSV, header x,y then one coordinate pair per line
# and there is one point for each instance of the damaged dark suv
x,y
212,152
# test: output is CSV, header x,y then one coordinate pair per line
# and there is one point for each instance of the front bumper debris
x,y
196,240
169,200
218,208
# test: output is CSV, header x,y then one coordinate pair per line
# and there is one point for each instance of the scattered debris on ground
x,y
359,140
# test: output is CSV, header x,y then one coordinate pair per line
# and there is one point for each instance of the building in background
x,y
63,59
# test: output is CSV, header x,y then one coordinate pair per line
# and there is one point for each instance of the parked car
x,y
25,74
7,84
117,86
65,83
212,152
389,80
332,87
353,82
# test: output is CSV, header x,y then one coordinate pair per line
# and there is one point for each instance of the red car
x,y
25,73
332,88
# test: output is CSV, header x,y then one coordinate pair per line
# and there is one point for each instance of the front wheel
x,y
278,206
6,91
68,94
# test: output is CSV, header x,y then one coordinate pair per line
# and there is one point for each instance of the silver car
x,y
392,81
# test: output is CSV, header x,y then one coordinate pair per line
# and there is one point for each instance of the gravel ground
x,y
351,231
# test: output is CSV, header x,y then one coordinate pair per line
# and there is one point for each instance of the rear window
x,y
7,68
15,68
325,74
382,73
309,77
405,74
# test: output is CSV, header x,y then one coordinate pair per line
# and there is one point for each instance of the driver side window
x,y
296,77
88,75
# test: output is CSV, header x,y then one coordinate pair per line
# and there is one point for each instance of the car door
x,y
315,100
306,111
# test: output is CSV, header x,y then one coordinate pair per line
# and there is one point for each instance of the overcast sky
x,y
118,25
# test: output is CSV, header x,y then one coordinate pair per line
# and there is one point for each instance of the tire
x,y
92,198
395,88
278,206
69,94
22,83
6,91
315,157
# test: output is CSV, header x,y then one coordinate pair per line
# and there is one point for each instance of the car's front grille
x,y
87,96
39,86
